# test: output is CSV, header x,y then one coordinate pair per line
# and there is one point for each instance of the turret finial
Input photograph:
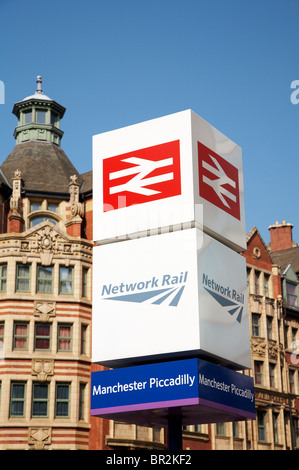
x,y
39,84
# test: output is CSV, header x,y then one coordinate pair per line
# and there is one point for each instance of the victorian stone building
x,y
45,293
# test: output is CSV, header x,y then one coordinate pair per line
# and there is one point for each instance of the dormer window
x,y
35,206
40,212
53,207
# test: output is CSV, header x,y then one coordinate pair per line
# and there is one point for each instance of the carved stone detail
x,y
258,346
15,200
46,244
25,246
44,310
273,349
39,437
76,206
42,369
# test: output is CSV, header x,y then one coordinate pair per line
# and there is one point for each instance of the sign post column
x,y
175,437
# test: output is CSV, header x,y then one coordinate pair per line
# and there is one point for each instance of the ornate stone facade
x,y
45,291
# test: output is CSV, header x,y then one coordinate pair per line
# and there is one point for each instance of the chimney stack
x,y
281,236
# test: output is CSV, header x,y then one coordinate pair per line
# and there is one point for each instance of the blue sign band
x,y
177,383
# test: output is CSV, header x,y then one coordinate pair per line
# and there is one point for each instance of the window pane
x,y
38,220
53,207
63,392
257,283
62,409
21,343
42,343
291,294
291,288
41,391
42,336
83,339
54,118
81,401
44,279
255,318
261,426
65,274
44,272
17,408
266,285
3,276
28,117
220,429
18,391
20,335
35,206
62,400
64,338
66,280
43,330
23,278
40,116
21,329
17,399
269,327
84,282
40,400
258,372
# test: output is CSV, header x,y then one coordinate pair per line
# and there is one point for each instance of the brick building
x,y
274,330
285,252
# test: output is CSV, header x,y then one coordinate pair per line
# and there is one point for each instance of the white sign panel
x,y
179,294
166,172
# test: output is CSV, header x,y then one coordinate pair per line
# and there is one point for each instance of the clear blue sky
x,y
113,63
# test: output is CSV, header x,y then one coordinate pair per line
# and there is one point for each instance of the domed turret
x,y
38,118
37,155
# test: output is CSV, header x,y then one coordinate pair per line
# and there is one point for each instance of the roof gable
x,y
290,274
257,253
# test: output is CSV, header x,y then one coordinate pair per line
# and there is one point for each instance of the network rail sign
x,y
204,392
153,176
177,294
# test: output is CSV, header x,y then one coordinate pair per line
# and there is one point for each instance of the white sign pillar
x,y
169,281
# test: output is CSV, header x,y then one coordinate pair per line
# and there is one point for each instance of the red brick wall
x,y
15,225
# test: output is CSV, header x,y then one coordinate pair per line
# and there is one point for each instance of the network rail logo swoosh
x,y
142,176
225,296
168,290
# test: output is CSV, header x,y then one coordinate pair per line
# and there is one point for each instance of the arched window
x,y
37,220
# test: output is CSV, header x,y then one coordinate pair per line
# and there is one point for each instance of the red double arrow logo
x,y
142,176
218,181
